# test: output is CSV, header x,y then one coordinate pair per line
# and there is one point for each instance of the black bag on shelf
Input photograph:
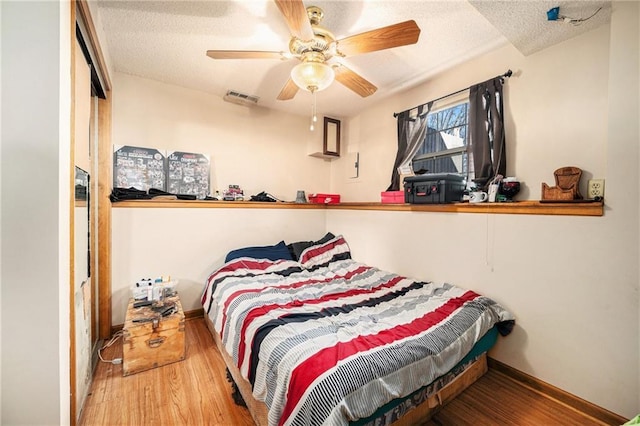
x,y
157,192
263,196
122,194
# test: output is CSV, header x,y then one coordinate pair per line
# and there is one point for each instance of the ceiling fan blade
x,y
396,35
297,19
243,54
288,91
354,81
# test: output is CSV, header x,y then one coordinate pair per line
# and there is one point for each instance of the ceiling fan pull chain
x,y
315,109
314,118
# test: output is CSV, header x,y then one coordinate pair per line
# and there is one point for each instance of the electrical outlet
x,y
596,188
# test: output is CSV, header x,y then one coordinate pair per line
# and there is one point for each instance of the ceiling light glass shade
x,y
312,76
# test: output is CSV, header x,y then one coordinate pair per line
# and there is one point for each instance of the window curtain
x,y
411,134
486,130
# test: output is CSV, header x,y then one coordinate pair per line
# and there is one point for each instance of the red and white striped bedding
x,y
328,340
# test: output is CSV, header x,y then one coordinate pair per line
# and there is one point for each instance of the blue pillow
x,y
276,252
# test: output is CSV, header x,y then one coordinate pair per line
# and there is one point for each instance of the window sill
x,y
519,207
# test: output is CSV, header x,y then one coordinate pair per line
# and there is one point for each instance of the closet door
x,y
91,151
83,285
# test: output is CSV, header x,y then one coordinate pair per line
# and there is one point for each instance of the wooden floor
x,y
196,392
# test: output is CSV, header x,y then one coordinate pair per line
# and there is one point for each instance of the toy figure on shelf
x,y
234,193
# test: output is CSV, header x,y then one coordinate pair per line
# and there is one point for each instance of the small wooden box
x,y
151,340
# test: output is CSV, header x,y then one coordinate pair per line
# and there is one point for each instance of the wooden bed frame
x,y
416,416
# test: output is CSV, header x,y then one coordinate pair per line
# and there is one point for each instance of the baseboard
x,y
196,313
558,394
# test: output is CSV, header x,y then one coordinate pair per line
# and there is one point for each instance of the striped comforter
x,y
328,340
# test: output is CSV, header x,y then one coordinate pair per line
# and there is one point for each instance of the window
x,y
445,147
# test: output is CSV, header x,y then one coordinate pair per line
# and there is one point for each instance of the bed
x,y
318,338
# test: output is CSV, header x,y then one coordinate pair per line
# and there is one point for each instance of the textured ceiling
x,y
168,40
526,26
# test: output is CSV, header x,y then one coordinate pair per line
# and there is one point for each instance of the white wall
x,y
189,244
572,282
256,148
570,77
35,212
623,147
573,299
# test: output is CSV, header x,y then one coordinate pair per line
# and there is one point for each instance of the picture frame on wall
x,y
138,167
188,173
331,137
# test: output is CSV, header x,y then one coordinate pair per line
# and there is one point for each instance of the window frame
x,y
441,105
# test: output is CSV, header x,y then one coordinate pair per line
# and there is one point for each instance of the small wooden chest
x,y
151,340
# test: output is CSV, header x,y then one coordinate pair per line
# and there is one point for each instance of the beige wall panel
x,y
189,244
258,149
555,108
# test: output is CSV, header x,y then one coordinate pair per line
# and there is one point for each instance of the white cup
x,y
478,197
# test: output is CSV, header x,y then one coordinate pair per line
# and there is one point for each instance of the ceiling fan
x,y
316,47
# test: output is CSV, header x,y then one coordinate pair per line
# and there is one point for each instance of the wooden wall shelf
x,y
214,204
518,207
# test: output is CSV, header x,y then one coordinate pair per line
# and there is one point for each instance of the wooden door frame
x,y
103,175
103,254
72,207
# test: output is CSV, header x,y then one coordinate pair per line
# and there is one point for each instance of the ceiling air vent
x,y
240,98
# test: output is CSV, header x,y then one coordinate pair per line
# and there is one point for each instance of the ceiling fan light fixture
x,y
312,76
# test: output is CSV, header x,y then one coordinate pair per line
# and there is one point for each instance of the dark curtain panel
x,y
486,131
411,134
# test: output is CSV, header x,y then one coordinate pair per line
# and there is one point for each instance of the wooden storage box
x,y
151,340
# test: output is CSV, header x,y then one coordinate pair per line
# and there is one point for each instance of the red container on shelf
x,y
392,197
324,198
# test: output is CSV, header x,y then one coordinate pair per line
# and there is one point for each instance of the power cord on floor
x,y
115,337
